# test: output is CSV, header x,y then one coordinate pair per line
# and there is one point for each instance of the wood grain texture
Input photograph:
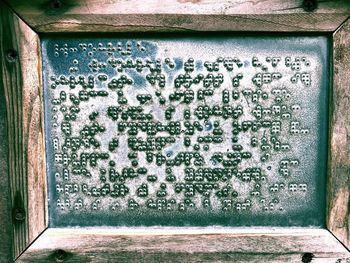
x,y
181,6
152,245
21,88
33,130
180,15
6,231
339,158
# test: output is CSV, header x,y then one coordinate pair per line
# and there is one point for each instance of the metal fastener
x,y
11,55
310,5
19,214
56,4
307,257
60,255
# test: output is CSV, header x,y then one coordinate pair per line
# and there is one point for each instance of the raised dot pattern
x,y
132,130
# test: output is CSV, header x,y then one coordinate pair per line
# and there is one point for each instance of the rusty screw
x,y
11,55
60,255
307,257
309,5
56,4
19,214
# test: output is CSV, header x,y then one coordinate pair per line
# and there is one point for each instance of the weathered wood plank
x,y
178,7
139,256
339,158
202,245
33,130
178,22
11,73
181,15
221,7
21,89
6,231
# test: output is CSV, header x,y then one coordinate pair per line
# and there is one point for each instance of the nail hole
x,y
307,257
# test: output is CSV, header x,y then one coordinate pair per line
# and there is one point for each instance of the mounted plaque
x,y
188,131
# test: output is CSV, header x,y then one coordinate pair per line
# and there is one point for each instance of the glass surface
x,y
193,130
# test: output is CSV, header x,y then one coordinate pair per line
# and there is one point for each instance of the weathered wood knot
x,y
11,55
310,5
307,257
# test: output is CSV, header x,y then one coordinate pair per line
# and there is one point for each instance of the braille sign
x,y
187,130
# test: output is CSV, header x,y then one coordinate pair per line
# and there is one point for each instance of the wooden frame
x,y
23,203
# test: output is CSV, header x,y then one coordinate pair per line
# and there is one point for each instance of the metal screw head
x,y
19,214
11,55
60,255
307,257
309,5
56,4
